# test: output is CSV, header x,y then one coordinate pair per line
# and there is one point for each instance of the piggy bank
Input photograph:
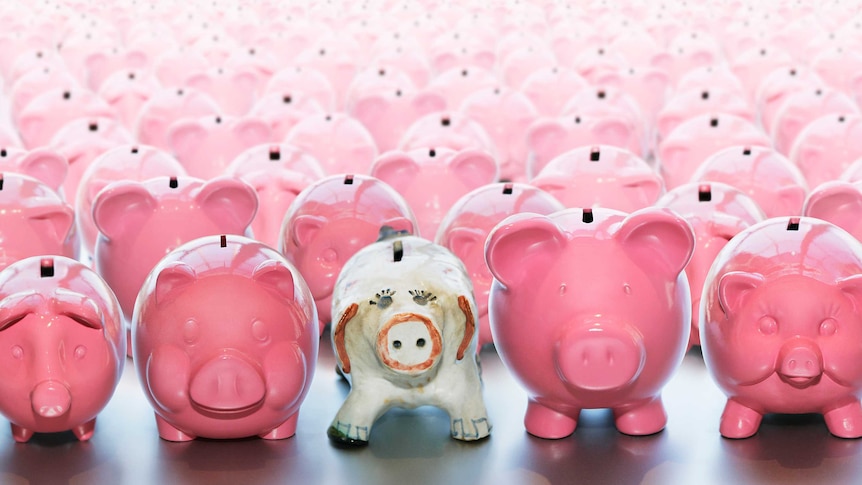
x,y
127,92
206,146
716,212
406,337
453,130
330,221
338,141
278,174
547,86
33,84
282,110
600,176
685,105
387,115
431,180
62,327
140,222
801,108
42,164
51,110
612,340
306,80
765,175
780,323
165,107
466,226
778,86
214,369
233,89
837,202
34,220
456,83
827,146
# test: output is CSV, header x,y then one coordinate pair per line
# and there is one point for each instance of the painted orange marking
x,y
383,342
469,326
340,349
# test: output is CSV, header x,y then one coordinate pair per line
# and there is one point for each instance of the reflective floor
x,y
414,446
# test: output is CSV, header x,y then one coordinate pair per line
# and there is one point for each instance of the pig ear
x,y
443,62
400,224
229,201
658,239
474,167
545,137
137,59
522,245
369,108
305,228
122,207
837,202
649,185
96,62
15,307
184,136
253,131
396,169
725,226
851,286
612,132
173,277
733,287
55,221
29,124
670,155
662,60
200,81
46,165
247,80
428,102
485,59
666,123
275,277
462,240
792,195
808,156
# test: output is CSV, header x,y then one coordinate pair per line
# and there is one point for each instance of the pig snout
x,y
227,384
50,399
599,358
800,362
409,343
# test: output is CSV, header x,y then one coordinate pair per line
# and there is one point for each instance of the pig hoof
x,y
546,423
738,421
470,429
845,422
340,438
642,420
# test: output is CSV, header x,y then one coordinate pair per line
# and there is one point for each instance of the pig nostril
x,y
396,344
420,343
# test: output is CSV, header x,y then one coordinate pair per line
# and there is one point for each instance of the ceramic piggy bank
x,y
330,221
465,228
780,325
338,141
212,368
206,146
406,337
716,212
62,329
590,309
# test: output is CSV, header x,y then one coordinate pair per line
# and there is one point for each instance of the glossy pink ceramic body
x,y
305,81
547,86
447,129
51,110
388,114
125,162
166,107
62,327
693,141
684,105
716,212
283,110
330,221
779,325
34,83
456,83
765,175
338,141
837,202
140,222
235,90
827,146
800,109
778,86
590,309
601,176
34,220
431,180
43,164
212,368
278,173
612,103
127,91
466,226
206,146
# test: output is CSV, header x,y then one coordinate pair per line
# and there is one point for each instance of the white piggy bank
x,y
406,337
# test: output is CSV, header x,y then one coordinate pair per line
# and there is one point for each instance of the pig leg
x,y
352,423
739,421
641,418
85,431
547,423
283,431
846,421
469,419
21,435
168,432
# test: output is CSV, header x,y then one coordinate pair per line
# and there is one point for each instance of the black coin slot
x,y
286,99
601,94
93,126
3,153
432,153
704,193
587,216
218,119
464,73
67,95
173,183
348,179
713,122
180,92
594,154
704,95
445,121
793,224
746,151
841,119
46,268
134,150
223,241
397,251
507,189
1,181
398,93
577,120
328,118
274,153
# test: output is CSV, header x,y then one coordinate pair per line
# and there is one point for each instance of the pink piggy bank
x,y
206,146
780,325
547,86
165,107
338,141
453,130
51,110
34,220
716,212
140,222
615,337
827,146
214,369
330,221
431,180
63,330
466,226
601,176
801,108
43,164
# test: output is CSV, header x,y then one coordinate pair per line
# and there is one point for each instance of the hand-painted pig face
x,y
333,219
608,311
215,369
64,349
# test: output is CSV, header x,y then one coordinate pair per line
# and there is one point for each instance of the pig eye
x,y
329,255
259,331
17,352
191,331
80,352
627,289
828,327
768,326
384,299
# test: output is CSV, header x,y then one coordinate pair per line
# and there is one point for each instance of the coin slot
x,y
173,183
274,153
348,179
704,193
445,121
594,154
587,216
223,241
746,151
713,122
793,224
397,251
507,189
46,267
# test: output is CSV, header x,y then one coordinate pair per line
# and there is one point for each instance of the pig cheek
x,y
749,356
285,372
168,378
842,353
